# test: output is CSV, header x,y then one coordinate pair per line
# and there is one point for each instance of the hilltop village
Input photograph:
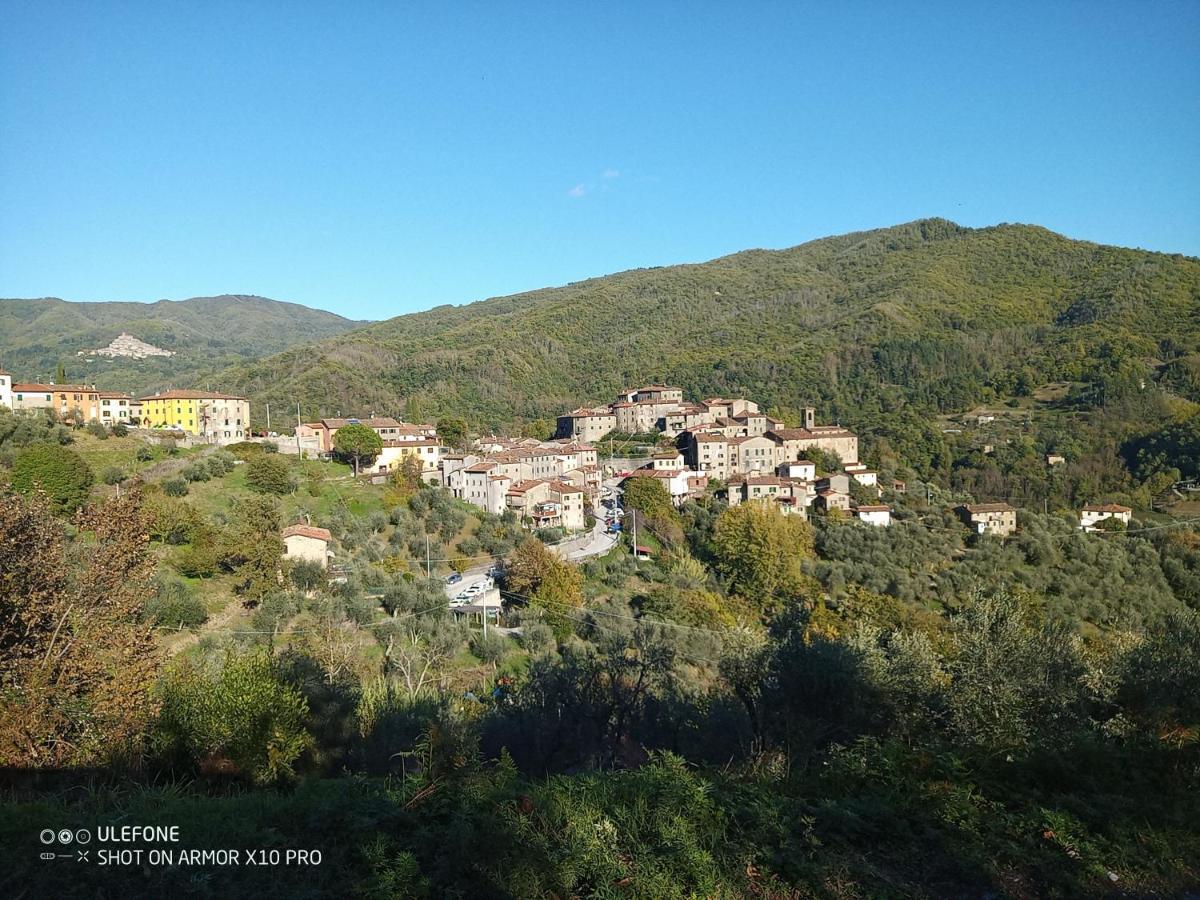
x,y
718,444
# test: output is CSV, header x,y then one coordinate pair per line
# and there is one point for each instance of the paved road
x,y
596,542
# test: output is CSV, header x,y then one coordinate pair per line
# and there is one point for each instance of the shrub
x,y
196,471
269,475
174,605
95,429
175,487
198,560
220,463
491,649
52,468
306,574
244,450
112,475
119,430
244,713
144,454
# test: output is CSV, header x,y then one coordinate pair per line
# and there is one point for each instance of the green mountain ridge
x,y
928,313
206,333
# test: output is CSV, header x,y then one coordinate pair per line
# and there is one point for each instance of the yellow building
x,y
218,418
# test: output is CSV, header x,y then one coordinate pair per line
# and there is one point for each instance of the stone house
x,y
307,543
989,518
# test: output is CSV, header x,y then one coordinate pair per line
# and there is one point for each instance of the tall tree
x,y
75,663
357,443
535,572
452,432
253,548
761,551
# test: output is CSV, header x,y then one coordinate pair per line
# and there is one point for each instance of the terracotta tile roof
x,y
522,486
114,395
880,507
38,388
191,395
1107,508
309,531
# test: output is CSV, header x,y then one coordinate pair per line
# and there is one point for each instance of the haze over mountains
x,y
926,312
206,333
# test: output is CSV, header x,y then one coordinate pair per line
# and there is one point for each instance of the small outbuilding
x,y
308,543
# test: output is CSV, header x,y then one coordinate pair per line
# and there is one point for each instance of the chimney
x,y
810,417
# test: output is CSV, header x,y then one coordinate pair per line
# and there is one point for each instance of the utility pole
x,y
297,429
268,418
428,570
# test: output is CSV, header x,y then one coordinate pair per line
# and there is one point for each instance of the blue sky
x,y
380,158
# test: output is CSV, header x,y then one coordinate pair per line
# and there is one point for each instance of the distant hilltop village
x,y
721,436
125,344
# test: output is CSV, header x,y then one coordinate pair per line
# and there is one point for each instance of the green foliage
x,y
175,487
240,711
208,333
944,316
452,432
491,649
357,443
269,474
97,430
1173,447
174,605
760,551
306,574
650,497
112,475
537,574
61,473
252,548
18,431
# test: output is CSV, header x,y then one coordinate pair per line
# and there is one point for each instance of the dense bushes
x,y
269,474
61,473
237,713
174,604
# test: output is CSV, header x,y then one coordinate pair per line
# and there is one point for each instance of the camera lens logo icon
x,y
47,836
65,836
82,836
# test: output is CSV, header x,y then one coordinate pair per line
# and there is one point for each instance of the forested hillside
x,y
206,334
928,313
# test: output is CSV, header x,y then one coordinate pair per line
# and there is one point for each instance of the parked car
x,y
460,600
474,590
454,578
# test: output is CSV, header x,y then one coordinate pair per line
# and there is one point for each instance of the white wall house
x,y
879,515
1094,513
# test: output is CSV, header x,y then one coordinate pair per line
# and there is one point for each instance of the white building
x,y
115,408
1095,513
6,394
879,515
